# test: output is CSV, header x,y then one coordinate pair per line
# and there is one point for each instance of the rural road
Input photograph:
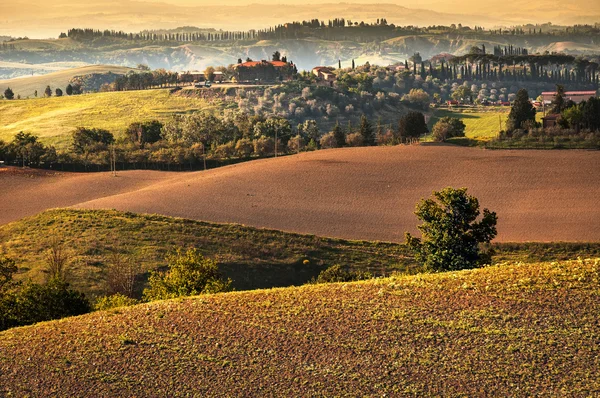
x,y
355,193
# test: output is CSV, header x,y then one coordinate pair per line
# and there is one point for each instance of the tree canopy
x,y
521,112
451,234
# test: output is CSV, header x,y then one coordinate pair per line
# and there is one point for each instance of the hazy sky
x,y
45,18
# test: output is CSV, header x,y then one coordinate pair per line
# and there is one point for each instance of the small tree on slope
x,y
450,233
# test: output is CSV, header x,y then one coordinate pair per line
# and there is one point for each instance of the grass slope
x,y
252,258
481,125
510,330
54,118
26,86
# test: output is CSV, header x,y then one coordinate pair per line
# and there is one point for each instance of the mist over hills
x,y
132,16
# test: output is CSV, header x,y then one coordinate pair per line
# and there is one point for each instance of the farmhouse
x,y
197,76
550,120
575,96
324,73
264,70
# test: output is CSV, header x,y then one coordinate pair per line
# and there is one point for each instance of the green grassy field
x,y
53,119
252,258
517,330
481,125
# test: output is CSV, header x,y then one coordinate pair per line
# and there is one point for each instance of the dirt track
x,y
358,193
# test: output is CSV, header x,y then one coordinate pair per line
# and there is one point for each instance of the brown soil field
x,y
522,330
25,192
362,193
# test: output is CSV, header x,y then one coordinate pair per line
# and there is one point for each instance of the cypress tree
x,y
339,135
366,131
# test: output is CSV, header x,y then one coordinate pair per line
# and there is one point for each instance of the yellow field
x,y
52,119
480,125
26,86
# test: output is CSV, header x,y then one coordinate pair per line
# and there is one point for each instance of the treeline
x,y
549,68
199,36
332,29
202,140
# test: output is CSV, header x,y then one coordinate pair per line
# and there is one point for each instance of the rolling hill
x,y
26,86
353,193
252,258
507,330
53,119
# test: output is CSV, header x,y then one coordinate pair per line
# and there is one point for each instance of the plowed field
x,y
353,193
509,330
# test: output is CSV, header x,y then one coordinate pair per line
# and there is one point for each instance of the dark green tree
x,y
9,94
26,148
86,140
451,234
48,91
69,89
559,103
339,135
366,131
58,92
591,113
144,133
412,125
522,111
31,303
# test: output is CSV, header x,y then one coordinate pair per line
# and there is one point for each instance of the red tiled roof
x,y
323,69
571,93
250,64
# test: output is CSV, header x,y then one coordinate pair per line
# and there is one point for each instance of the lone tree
x,y
450,233
48,91
9,94
521,112
59,92
412,125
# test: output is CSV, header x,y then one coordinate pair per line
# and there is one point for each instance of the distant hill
x,y
506,330
26,86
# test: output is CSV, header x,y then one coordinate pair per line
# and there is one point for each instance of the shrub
x,y
328,140
225,151
296,144
244,147
264,146
450,233
337,273
448,127
114,301
354,139
187,275
31,303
